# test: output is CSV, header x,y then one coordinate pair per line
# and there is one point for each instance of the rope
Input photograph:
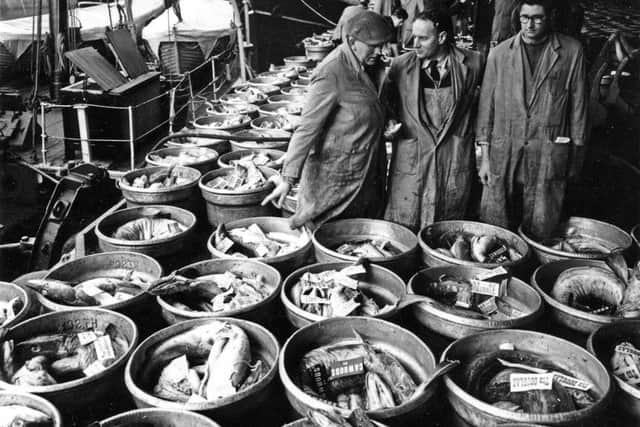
x,y
318,13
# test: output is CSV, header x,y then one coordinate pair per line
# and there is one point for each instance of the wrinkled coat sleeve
x,y
322,100
578,93
486,103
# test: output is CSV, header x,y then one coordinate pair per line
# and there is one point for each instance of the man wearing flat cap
x,y
337,152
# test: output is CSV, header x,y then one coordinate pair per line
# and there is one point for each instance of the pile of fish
x,y
625,363
576,242
281,121
9,309
250,95
245,176
291,108
612,290
522,381
158,180
149,228
232,109
253,242
91,292
23,416
475,299
215,293
355,374
318,40
300,91
334,293
184,158
368,248
477,248
58,358
258,158
206,363
319,418
229,121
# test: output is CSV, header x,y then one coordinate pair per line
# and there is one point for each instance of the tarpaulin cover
x,y
203,21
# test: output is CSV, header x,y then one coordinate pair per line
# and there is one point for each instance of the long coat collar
x,y
356,66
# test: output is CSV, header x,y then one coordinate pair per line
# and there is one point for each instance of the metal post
x,y
43,135
193,107
83,128
132,140
172,108
213,78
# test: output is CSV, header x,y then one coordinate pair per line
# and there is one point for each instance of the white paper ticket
x,y
353,270
104,349
345,280
626,348
95,368
526,382
571,382
345,308
629,374
86,337
313,299
486,288
225,244
488,306
262,250
500,271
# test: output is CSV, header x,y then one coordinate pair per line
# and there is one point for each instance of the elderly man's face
x,y
366,54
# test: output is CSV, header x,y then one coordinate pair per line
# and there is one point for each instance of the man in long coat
x,y
531,123
432,165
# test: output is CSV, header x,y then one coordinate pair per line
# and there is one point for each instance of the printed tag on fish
x,y
491,289
629,374
93,369
488,306
354,270
86,337
262,250
463,299
224,245
313,299
345,368
626,348
104,349
526,382
500,271
567,381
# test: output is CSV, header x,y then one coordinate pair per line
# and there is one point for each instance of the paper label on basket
x,y
488,306
312,299
262,250
93,369
486,288
325,276
571,382
629,374
104,349
500,271
625,348
345,368
344,308
224,245
86,337
354,270
526,382
463,299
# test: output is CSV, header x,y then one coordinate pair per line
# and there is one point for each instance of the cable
x,y
318,13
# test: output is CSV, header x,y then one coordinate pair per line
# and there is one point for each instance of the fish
x,y
325,419
245,176
196,343
174,383
481,246
60,292
176,283
76,363
51,345
379,395
33,373
368,248
9,309
148,228
23,416
630,306
358,418
256,372
226,243
461,249
227,364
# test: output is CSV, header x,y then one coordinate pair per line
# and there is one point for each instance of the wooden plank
x,y
127,52
97,67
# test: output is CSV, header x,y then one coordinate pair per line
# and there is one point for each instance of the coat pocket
x,y
405,159
556,157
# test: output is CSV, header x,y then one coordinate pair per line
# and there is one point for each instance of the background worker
x,y
533,101
348,13
433,90
337,151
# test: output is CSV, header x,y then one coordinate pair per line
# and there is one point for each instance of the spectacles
x,y
537,19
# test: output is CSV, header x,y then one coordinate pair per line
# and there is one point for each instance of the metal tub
x,y
267,89
382,284
429,235
260,312
272,109
543,280
9,291
285,263
299,99
331,234
618,239
242,408
203,166
224,206
251,144
158,418
562,353
29,400
210,122
301,61
453,326
414,355
221,146
225,160
269,81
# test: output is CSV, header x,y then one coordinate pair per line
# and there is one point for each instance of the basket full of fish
x,y
154,230
617,346
18,409
200,158
259,157
516,376
579,238
586,294
267,239
72,358
244,289
345,363
224,368
458,300
385,243
16,304
236,193
472,244
320,291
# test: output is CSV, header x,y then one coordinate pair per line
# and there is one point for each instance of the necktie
x,y
433,71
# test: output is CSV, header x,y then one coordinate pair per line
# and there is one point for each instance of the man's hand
x,y
391,130
485,171
279,193
277,163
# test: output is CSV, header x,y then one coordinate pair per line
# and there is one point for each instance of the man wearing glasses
x,y
531,123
